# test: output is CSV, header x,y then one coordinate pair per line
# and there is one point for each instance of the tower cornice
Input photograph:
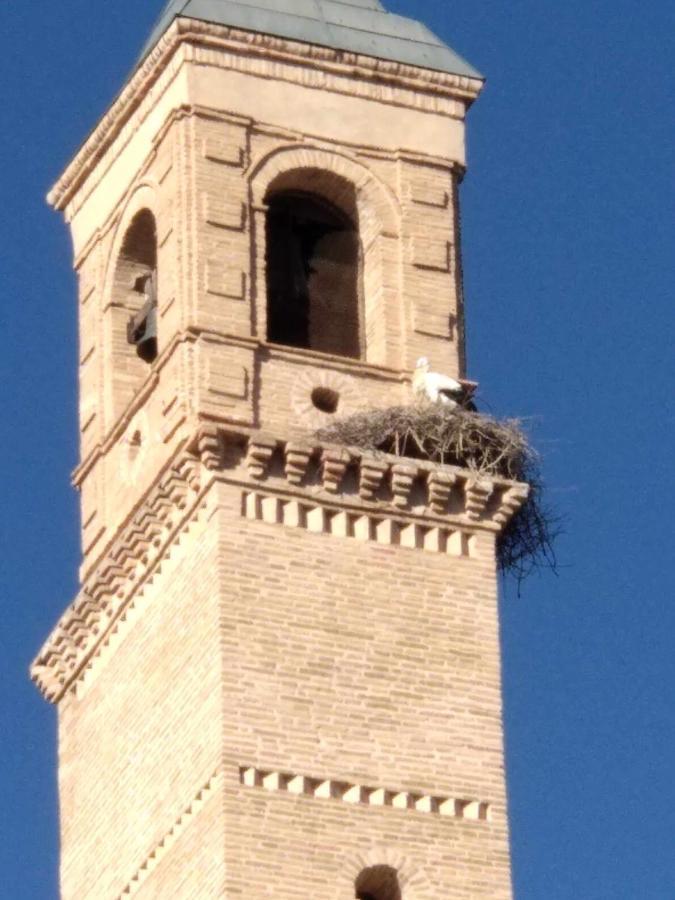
x,y
363,75
344,492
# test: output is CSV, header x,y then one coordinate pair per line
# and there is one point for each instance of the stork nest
x,y
470,440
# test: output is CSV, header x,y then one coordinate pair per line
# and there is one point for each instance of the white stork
x,y
434,387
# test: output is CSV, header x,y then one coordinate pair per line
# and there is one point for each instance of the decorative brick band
x,y
356,794
323,488
340,523
108,590
390,483
168,841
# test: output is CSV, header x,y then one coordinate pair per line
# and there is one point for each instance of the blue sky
x,y
568,214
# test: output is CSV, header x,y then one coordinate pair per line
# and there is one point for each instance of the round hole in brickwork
x,y
326,400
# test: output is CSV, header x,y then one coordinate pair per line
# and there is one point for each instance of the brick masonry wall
x,y
263,646
371,665
269,853
193,866
143,733
393,645
287,382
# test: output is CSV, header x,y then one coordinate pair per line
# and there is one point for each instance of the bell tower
x,y
281,675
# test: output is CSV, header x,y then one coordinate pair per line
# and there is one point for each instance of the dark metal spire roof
x,y
359,26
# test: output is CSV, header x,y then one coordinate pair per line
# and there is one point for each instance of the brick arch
x,y
126,372
377,206
378,217
413,882
144,196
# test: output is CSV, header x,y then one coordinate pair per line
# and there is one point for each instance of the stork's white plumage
x,y
434,387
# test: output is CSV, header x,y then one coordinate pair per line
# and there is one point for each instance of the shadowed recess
x,y
378,883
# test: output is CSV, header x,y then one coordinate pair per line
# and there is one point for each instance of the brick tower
x,y
281,675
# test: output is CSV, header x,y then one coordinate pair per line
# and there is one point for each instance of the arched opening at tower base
x,y
378,883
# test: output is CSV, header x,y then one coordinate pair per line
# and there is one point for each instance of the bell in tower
x,y
142,327
280,676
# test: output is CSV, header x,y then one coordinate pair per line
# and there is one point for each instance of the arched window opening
x,y
137,279
378,883
313,275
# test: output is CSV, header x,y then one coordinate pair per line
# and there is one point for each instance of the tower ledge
x,y
323,488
